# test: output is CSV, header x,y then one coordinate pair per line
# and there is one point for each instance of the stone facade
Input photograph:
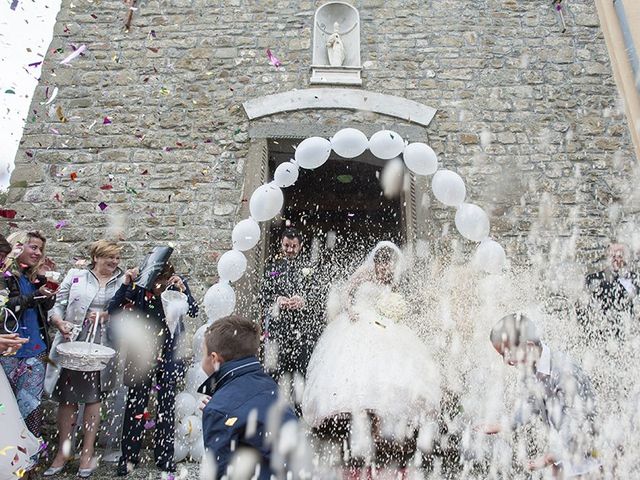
x,y
528,115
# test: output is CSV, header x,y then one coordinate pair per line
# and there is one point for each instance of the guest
x,y
292,323
560,393
160,370
612,293
9,342
26,314
244,400
29,300
81,301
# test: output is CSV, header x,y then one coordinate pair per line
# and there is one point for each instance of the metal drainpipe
x,y
628,41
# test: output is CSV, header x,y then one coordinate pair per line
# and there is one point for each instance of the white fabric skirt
x,y
17,443
371,365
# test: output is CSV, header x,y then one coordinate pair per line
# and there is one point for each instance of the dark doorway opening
x,y
339,208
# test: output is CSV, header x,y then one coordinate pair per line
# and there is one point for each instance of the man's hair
x,y
104,248
514,330
5,247
233,337
292,233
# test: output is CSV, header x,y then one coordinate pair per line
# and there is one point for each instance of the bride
x,y
368,368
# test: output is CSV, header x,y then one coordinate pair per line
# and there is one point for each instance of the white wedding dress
x,y
373,364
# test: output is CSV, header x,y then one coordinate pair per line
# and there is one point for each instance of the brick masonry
x,y
528,115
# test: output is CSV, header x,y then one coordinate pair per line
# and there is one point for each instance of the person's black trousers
x,y
134,423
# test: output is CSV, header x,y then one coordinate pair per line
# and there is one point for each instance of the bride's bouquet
x,y
392,306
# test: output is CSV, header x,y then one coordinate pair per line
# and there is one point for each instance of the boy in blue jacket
x,y
244,408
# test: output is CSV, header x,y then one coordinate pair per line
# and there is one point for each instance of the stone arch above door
x,y
340,98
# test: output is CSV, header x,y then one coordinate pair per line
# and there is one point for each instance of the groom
x,y
292,323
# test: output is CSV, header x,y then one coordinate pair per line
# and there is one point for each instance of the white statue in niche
x,y
335,47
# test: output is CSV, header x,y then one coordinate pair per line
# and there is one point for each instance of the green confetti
x,y
345,178
130,190
10,90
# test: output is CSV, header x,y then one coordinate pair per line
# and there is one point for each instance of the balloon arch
x,y
267,200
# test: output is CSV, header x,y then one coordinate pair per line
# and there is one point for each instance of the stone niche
x,y
336,45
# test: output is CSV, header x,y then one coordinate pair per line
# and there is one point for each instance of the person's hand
x,y
65,328
130,275
176,282
101,317
540,462
283,302
44,292
296,302
10,343
203,402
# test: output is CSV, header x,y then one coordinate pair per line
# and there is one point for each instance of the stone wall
x,y
528,115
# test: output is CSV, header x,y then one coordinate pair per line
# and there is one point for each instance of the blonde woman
x,y
29,300
82,300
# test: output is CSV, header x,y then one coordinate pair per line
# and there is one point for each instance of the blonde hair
x,y
22,237
104,248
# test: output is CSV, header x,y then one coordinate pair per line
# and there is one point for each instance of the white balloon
x,y
266,202
232,265
286,174
219,301
196,452
490,256
194,378
245,235
313,152
386,144
183,428
195,427
185,404
392,178
180,450
198,342
448,187
472,222
349,142
420,158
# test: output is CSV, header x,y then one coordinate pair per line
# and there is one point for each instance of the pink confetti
x,y
273,59
149,425
74,55
106,121
61,224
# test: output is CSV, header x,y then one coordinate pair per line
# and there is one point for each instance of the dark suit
x,y
163,370
610,301
295,332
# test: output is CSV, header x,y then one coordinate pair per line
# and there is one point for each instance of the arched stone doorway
x,y
296,115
